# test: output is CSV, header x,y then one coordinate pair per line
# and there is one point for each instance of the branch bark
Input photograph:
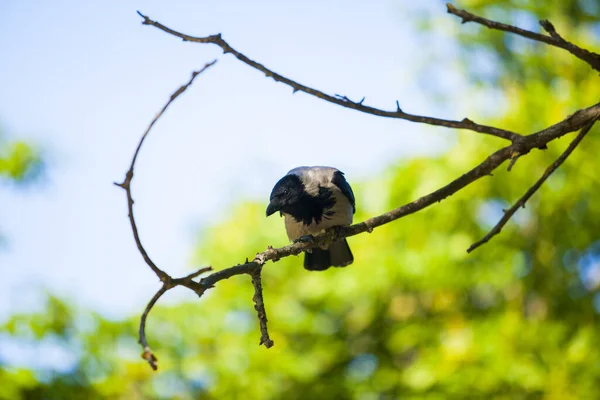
x,y
168,281
259,306
553,39
126,184
147,353
343,101
521,202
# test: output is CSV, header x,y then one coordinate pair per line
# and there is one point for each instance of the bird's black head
x,y
286,194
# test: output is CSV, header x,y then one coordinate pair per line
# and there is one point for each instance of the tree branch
x,y
259,306
147,354
554,39
520,145
521,202
168,281
336,99
126,184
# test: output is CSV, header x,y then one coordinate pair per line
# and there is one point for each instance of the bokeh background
x,y
413,317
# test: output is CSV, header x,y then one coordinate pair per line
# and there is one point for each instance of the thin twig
x,y
521,202
554,39
336,99
147,354
513,159
191,276
126,184
168,281
259,306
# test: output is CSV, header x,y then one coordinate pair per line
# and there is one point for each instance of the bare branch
x,y
164,277
520,145
521,202
168,281
593,59
259,306
336,99
572,123
148,355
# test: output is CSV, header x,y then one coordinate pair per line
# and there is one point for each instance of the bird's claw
x,y
305,239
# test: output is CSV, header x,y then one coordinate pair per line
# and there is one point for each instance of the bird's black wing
x,y
340,181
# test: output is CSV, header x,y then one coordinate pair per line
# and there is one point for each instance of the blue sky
x,y
84,78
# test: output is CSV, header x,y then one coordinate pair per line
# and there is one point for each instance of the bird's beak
x,y
272,208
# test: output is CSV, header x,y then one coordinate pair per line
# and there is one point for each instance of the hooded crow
x,y
312,199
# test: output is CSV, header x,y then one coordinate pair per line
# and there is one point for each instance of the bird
x,y
312,199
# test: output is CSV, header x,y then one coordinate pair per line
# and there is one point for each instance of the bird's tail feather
x,y
317,260
338,254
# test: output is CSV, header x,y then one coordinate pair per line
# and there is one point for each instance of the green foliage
x,y
415,316
18,161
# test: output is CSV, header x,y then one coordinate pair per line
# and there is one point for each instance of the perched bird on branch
x,y
313,199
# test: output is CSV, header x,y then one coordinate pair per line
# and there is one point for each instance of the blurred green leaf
x,y
19,161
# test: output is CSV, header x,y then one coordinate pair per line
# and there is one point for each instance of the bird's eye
x,y
286,192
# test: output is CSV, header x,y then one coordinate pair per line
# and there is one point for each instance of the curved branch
x,y
168,281
554,39
337,99
126,184
148,355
